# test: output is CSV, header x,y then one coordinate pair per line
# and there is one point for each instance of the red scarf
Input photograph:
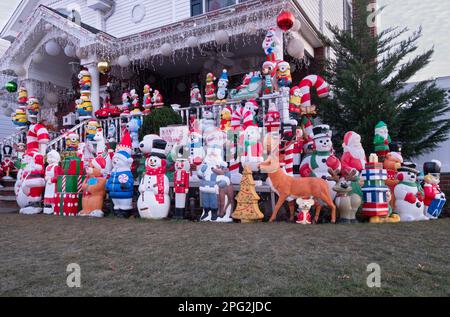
x,y
160,173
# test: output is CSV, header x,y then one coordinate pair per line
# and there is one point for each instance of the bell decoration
x,y
11,86
285,20
103,67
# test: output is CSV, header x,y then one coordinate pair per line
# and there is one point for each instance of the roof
x,y
83,25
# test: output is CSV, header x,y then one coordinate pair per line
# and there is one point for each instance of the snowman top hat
x,y
408,167
159,148
322,131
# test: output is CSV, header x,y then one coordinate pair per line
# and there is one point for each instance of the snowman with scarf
x,y
409,195
154,200
322,158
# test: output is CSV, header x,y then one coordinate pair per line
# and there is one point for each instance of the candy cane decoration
x,y
289,160
322,88
241,118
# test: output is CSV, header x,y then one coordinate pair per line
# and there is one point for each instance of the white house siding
x,y
442,152
158,13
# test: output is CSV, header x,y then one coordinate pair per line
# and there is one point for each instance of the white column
x,y
95,86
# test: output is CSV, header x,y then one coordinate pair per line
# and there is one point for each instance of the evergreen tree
x,y
368,76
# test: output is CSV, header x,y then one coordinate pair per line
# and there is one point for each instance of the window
x,y
347,15
196,7
212,5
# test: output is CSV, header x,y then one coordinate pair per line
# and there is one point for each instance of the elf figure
x,y
222,90
381,140
210,95
268,73
181,186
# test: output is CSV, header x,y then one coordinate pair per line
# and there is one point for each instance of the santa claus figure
x,y
147,100
126,105
354,155
434,198
322,158
157,99
52,171
381,140
30,184
181,186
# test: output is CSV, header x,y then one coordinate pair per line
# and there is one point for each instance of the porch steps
x,y
8,202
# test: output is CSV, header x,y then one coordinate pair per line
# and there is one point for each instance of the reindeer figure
x,y
347,205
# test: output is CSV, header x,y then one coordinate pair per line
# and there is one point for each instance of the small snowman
x,y
154,200
409,196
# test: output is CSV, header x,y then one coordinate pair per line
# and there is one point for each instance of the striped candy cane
x,y
317,82
289,160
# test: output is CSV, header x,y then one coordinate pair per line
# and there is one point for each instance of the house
x,y
167,44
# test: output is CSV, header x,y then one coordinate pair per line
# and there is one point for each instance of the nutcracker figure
x,y
434,198
7,164
181,186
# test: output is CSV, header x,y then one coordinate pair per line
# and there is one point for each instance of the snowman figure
x,y
409,195
322,158
207,120
154,200
253,150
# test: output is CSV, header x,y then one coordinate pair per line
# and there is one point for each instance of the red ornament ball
x,y
285,20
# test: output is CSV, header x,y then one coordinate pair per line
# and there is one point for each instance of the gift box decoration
x,y
73,166
375,201
68,204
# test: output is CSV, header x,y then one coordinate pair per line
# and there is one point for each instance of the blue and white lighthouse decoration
x,y
375,200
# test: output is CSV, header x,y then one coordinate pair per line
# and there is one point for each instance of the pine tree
x,y
247,209
368,76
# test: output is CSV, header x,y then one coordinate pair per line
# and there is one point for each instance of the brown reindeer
x,y
287,186
347,205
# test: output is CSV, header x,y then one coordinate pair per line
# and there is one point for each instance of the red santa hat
x,y
252,103
99,163
349,137
37,157
125,143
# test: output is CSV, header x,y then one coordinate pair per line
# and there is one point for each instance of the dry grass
x,y
169,258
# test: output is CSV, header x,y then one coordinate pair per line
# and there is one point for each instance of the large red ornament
x,y
285,20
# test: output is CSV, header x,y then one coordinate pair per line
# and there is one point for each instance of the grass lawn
x,y
170,258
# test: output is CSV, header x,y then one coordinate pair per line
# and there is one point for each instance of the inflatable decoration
x,y
347,202
23,96
126,105
381,140
94,189
210,88
52,172
434,197
84,104
304,207
269,75
283,74
30,183
157,99
409,195
121,181
272,46
376,193
322,158
249,89
154,200
147,100
196,97
285,20
7,165
354,156
247,209
287,186
19,118
222,88
181,186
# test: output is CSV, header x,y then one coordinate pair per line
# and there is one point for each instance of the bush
x,y
160,117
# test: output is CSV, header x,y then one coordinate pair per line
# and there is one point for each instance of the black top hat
x,y
320,131
408,167
7,150
159,148
432,167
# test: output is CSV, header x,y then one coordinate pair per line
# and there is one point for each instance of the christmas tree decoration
x,y
103,67
94,189
247,209
51,98
285,20
11,86
52,48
